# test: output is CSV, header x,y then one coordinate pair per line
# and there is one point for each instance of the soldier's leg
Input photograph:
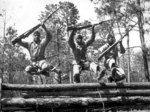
x,y
57,74
43,64
57,78
118,73
46,68
96,69
76,73
30,69
109,65
102,74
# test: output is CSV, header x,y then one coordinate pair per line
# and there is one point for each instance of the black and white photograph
x,y
75,55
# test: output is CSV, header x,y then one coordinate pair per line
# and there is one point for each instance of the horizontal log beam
x,y
66,87
102,93
72,102
14,109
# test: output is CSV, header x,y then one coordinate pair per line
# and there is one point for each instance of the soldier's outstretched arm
x,y
24,35
92,39
19,41
71,38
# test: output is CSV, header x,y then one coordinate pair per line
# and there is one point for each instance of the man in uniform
x,y
79,49
36,50
110,63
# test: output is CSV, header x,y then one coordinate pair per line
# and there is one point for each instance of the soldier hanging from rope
x,y
36,49
110,63
79,49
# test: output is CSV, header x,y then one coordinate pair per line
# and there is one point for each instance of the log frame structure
x,y
69,96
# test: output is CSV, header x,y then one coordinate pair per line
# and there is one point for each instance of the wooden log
x,y
102,93
66,87
72,102
14,109
52,102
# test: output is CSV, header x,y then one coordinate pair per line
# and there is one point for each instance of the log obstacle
x,y
73,102
67,87
88,93
82,95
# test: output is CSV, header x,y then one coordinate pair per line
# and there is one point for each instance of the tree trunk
x,y
144,50
0,90
129,66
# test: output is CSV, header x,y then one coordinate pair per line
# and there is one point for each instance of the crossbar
x,y
66,87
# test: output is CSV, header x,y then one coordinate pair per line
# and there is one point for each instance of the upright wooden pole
x,y
129,66
71,72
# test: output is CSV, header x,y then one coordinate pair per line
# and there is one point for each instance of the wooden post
x,y
57,77
128,46
70,72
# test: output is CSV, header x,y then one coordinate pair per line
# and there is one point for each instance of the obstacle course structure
x,y
58,97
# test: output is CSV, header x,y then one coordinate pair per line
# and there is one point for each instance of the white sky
x,y
23,14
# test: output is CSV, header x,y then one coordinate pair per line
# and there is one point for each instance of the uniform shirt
x,y
37,51
80,52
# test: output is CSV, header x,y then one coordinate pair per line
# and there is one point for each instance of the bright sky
x,y
24,14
